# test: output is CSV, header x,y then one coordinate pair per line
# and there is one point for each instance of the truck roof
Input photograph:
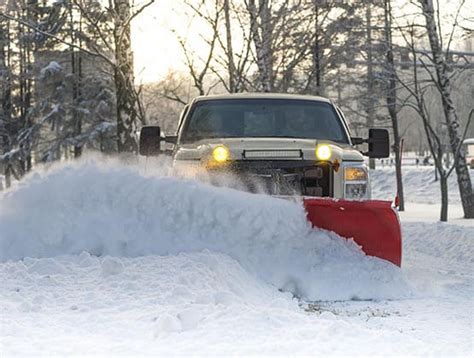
x,y
230,96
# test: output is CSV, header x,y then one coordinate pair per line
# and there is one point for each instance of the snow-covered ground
x,y
422,193
101,258
419,184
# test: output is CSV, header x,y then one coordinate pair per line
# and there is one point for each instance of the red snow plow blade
x,y
373,224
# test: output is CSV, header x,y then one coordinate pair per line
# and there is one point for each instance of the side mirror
x,y
150,140
379,143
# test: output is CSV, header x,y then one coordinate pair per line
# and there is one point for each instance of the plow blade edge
x,y
372,224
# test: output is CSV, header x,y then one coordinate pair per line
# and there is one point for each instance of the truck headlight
x,y
323,152
220,154
355,183
218,158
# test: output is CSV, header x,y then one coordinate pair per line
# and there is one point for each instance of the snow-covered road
x,y
214,271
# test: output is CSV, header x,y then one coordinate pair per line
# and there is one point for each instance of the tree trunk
x,y
317,53
229,50
5,99
262,38
370,75
443,181
5,96
25,86
76,83
127,112
452,121
392,103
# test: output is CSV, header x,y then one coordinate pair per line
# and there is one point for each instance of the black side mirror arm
x,y
358,140
173,139
378,142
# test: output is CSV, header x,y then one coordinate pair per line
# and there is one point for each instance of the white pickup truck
x,y
285,144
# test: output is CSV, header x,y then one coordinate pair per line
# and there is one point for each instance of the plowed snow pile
x,y
109,209
98,259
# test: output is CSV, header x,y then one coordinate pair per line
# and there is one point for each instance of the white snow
x,y
113,210
422,193
51,69
97,258
419,185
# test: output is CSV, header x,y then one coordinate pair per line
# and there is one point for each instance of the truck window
x,y
263,118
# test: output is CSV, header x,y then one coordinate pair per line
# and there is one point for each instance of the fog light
x,y
356,191
323,152
220,154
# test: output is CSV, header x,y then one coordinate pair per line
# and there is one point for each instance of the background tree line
x,y
67,81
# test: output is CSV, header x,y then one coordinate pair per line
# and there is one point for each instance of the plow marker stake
x,y
372,224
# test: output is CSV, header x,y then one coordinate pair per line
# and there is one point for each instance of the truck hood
x,y
237,147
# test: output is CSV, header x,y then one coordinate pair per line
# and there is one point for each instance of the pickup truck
x,y
287,146
280,144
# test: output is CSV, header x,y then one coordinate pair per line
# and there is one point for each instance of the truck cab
x,y
278,144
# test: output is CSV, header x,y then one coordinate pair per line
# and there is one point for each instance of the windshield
x,y
263,118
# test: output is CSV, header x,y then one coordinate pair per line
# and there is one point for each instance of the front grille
x,y
277,177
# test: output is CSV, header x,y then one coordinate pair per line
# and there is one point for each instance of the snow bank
x,y
418,184
199,304
155,296
109,209
451,242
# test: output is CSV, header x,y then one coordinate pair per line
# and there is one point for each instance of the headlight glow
x,y
355,174
323,152
220,154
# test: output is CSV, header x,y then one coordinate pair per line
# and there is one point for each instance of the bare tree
x,y
200,68
230,48
237,62
442,81
328,20
370,105
261,28
220,67
165,100
419,89
391,98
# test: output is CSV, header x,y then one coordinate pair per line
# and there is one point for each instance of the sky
x,y
156,48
